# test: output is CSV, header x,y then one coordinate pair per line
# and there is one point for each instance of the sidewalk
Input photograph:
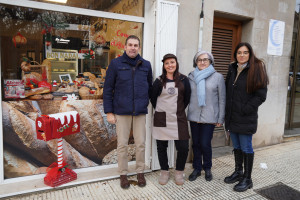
x,y
283,162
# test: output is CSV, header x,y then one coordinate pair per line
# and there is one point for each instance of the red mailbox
x,y
57,125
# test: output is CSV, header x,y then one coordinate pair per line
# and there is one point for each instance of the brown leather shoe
x,y
124,182
141,180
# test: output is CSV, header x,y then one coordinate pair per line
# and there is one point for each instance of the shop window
x,y
127,7
70,44
40,48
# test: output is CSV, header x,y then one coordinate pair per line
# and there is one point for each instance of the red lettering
x,y
120,34
119,45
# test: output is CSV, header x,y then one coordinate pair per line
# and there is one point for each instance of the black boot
x,y
246,182
238,172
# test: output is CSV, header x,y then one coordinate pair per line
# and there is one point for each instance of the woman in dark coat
x,y
246,90
170,96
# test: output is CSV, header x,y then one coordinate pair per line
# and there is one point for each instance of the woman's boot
x,y
164,177
246,182
179,177
238,172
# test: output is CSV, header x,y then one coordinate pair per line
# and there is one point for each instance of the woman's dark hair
x,y
257,74
176,73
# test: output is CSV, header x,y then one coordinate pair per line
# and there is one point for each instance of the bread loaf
x,y
89,74
32,76
47,96
34,91
84,91
35,97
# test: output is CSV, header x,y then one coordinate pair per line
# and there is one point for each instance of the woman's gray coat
x,y
215,97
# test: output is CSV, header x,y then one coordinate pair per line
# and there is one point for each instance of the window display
x,y
60,59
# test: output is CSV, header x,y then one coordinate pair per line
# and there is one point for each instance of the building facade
x,y
75,42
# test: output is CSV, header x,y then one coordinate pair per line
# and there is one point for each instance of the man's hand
x,y
111,118
218,125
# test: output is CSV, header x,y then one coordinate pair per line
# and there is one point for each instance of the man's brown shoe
x,y
124,182
141,180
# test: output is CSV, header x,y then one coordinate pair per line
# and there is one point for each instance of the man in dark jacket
x,y
126,92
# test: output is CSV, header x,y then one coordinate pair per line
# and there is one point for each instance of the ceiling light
x,y
58,1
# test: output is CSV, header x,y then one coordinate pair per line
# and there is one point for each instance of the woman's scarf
x,y
199,77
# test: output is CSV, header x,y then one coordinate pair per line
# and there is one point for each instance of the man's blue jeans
x,y
242,141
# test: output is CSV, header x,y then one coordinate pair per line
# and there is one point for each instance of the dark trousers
x,y
202,135
182,147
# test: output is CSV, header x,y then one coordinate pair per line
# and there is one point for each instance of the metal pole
x,y
201,27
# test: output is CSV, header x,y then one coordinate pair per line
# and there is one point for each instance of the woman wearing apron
x,y
170,96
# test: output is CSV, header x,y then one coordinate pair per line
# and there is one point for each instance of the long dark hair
x,y
257,74
176,73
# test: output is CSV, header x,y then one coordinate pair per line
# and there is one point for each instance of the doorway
x,y
226,35
292,122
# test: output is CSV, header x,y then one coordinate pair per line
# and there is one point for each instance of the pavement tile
x,y
283,165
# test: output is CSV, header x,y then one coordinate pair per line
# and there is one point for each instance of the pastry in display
x,y
88,83
84,91
68,89
96,80
34,91
89,74
35,97
47,96
32,78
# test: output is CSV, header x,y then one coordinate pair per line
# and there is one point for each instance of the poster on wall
x,y
25,155
14,89
275,38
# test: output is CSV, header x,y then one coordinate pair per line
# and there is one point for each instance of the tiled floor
x,y
282,160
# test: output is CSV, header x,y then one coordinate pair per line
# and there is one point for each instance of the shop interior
x,y
48,55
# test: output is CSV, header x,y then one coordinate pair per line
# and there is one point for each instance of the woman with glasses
x,y
246,90
206,110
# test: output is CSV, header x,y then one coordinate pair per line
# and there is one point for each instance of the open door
x,y
165,42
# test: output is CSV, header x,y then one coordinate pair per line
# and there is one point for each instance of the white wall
x,y
255,31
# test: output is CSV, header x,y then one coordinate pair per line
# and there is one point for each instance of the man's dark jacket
x,y
127,87
241,107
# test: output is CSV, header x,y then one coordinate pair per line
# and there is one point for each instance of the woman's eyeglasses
x,y
205,60
245,53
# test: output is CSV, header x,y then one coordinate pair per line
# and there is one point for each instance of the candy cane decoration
x,y
60,158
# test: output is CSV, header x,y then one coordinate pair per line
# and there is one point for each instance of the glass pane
x,y
126,7
293,96
59,47
38,34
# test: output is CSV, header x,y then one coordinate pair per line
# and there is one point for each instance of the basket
x,y
90,96
40,69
